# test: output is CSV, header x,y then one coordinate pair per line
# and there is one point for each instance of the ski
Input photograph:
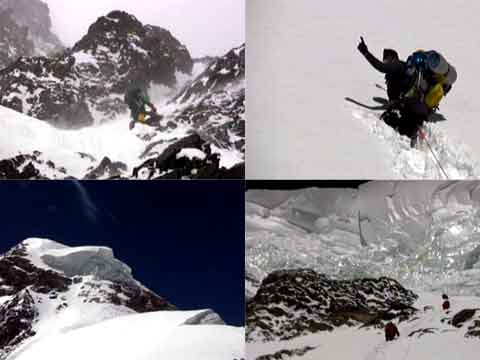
x,y
380,100
369,107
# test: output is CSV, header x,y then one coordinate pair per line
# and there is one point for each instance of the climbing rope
x,y
424,138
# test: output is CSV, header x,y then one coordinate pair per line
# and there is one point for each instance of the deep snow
x,y
302,62
149,336
346,343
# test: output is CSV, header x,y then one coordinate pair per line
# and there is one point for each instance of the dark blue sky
x,y
183,240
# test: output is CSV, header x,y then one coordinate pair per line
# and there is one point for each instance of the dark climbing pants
x,y
408,118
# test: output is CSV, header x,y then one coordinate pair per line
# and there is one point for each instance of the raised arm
x,y
383,67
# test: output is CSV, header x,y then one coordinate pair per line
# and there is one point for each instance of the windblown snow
x,y
303,62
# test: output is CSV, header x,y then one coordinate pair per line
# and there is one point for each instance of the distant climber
x,y
446,302
414,87
391,331
137,101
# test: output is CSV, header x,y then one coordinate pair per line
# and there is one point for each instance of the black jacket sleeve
x,y
384,67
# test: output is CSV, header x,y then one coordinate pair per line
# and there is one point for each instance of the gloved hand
x,y
362,47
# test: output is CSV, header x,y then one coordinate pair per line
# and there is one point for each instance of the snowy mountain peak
x,y
52,293
50,287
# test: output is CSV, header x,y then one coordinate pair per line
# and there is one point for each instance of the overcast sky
x,y
206,27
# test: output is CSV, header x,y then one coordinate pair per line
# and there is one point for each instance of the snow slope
x,y
446,342
150,336
302,63
26,135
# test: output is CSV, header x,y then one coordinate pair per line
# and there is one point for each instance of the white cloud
x,y
206,27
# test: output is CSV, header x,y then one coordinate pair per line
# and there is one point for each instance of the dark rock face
x,y
226,71
14,40
221,115
107,170
462,316
49,88
472,316
169,165
291,303
118,52
34,15
132,53
286,354
139,299
214,103
18,273
15,168
26,167
16,318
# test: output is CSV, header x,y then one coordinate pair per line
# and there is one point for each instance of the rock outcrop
x,y
188,158
290,303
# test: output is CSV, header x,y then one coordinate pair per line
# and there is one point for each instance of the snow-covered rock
x,y
214,102
292,303
33,149
429,333
69,88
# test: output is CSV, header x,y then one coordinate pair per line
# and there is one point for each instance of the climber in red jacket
x,y
391,331
446,302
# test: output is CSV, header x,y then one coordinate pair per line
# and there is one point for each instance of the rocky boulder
x,y
27,167
107,169
16,318
291,303
188,158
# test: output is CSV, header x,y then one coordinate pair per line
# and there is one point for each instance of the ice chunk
x,y
98,261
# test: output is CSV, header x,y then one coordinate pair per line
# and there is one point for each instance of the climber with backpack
x,y
415,87
138,101
446,302
391,331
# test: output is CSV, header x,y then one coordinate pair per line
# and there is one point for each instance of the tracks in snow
x,y
419,163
